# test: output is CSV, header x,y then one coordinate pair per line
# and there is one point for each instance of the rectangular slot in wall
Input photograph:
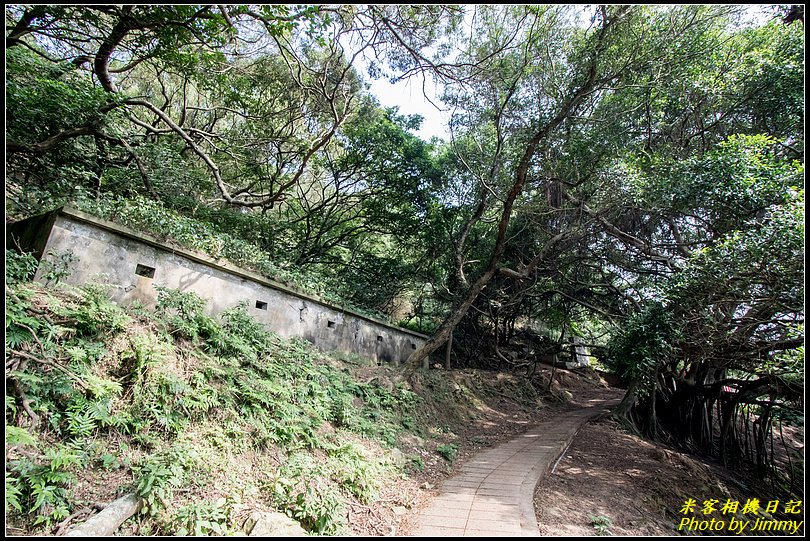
x,y
330,324
379,338
413,346
143,270
261,305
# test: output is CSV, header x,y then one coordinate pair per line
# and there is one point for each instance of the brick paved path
x,y
493,495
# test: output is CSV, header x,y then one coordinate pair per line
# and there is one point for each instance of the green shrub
x,y
95,313
302,488
448,451
602,525
203,518
354,472
158,475
184,313
39,486
417,463
20,267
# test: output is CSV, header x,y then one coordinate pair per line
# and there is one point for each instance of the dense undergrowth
x,y
207,419
172,398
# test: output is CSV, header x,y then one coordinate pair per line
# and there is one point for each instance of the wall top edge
x,y
199,257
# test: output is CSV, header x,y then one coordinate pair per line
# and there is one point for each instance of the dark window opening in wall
x,y
330,324
261,305
413,346
379,339
143,270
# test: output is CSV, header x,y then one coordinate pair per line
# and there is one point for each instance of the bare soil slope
x,y
612,481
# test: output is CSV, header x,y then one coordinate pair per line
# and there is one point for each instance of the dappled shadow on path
x,y
493,492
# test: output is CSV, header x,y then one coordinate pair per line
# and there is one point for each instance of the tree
x,y
734,310
534,111
183,73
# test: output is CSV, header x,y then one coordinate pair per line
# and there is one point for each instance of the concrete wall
x,y
135,264
580,354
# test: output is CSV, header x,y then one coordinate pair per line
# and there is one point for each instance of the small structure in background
x,y
580,356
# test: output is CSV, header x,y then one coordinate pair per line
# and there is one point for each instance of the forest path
x,y
493,494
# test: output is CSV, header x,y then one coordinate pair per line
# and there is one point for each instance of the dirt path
x,y
611,481
493,493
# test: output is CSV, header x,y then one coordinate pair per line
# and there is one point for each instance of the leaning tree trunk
x,y
441,336
567,108
107,521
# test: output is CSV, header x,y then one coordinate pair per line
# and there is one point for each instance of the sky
x,y
409,97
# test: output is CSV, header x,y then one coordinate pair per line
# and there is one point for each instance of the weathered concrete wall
x,y
580,355
134,264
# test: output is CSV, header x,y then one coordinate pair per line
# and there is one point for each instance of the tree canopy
x,y
630,176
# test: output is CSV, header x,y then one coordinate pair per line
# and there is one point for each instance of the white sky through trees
x,y
409,95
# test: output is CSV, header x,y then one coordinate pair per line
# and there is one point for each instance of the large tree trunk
x,y
422,355
107,521
567,108
627,403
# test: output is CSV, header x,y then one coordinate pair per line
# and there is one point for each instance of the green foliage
x,y
771,57
20,267
746,260
448,451
24,328
158,475
417,463
304,489
602,525
43,100
647,342
162,402
13,494
262,391
40,486
724,187
673,189
83,416
355,472
204,518
110,462
184,313
419,324
384,412
18,436
320,510
56,266
95,313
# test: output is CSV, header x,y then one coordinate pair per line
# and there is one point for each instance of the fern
x,y
41,489
11,404
81,424
13,493
17,336
101,387
76,354
60,457
28,378
19,436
